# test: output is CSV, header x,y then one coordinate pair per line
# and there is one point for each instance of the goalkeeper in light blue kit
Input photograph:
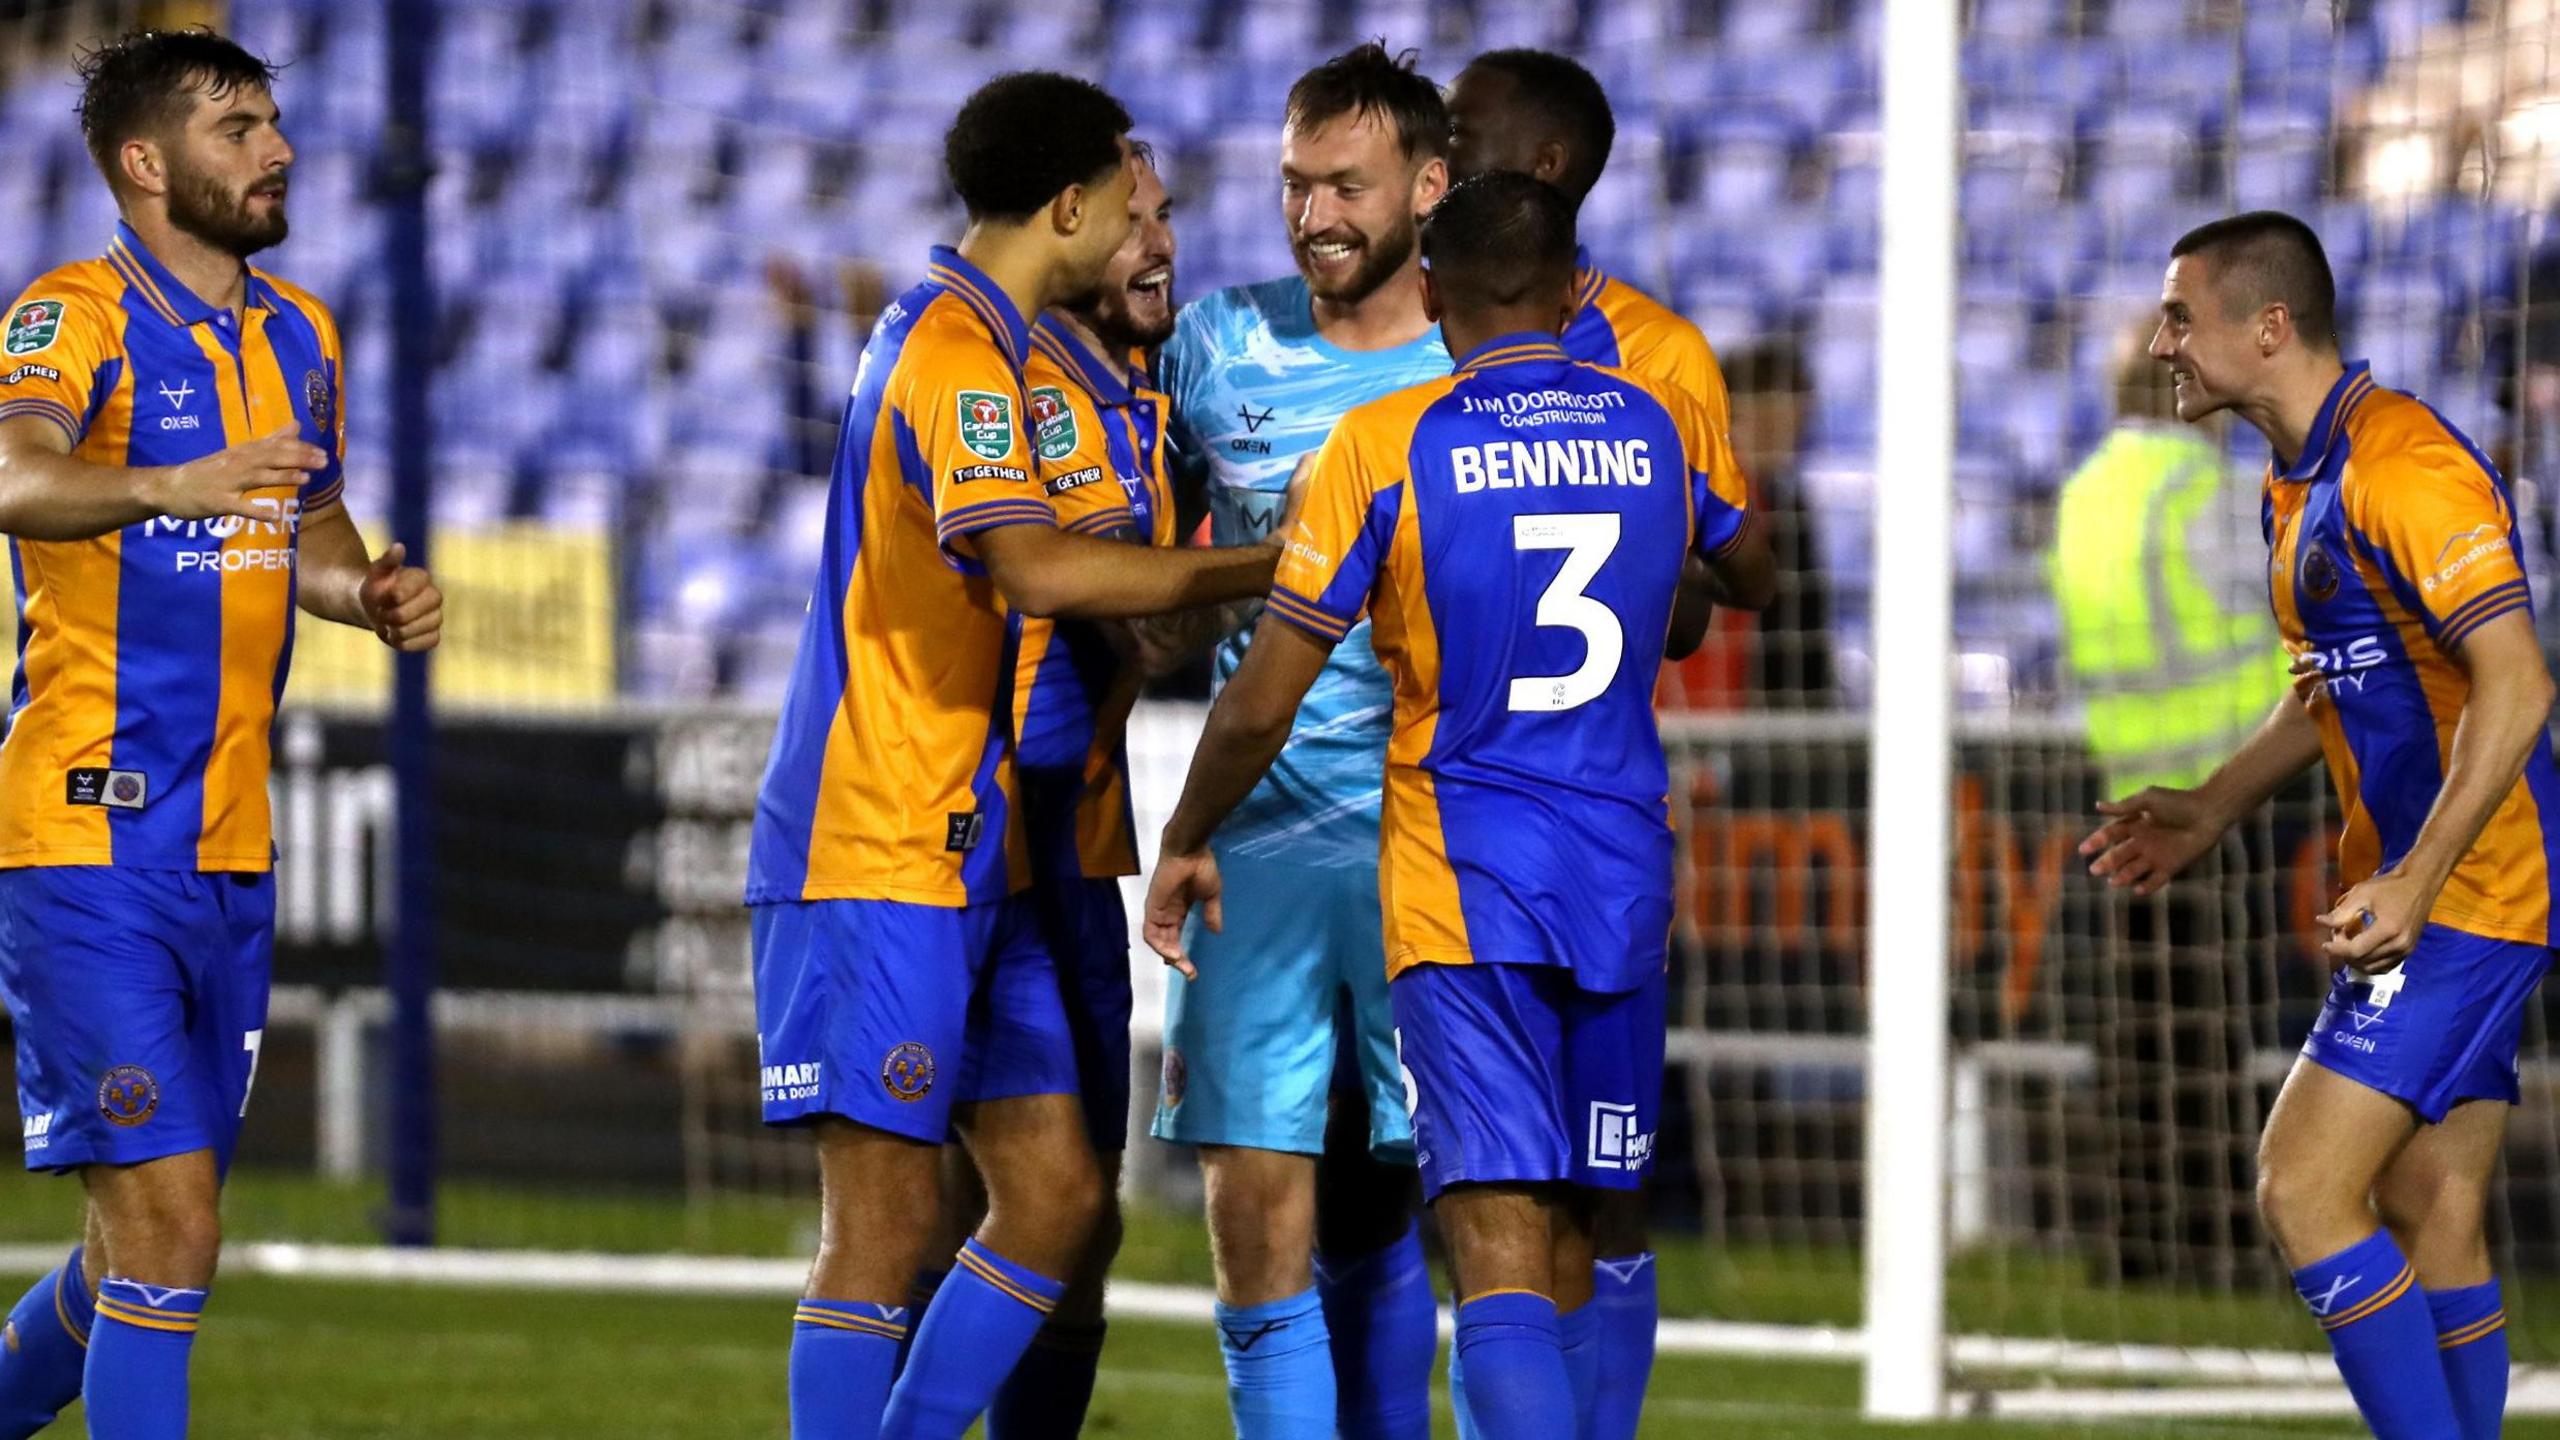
x,y
1342,1333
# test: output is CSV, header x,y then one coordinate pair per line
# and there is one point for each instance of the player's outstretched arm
x,y
1246,728
1742,578
2375,925
398,602
45,494
1048,572
2151,835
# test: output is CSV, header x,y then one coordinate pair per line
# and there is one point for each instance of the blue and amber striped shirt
x,y
150,660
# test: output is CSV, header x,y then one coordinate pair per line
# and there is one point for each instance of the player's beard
x,y
1381,256
1111,314
223,219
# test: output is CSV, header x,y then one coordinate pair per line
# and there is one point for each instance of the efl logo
x,y
1616,1143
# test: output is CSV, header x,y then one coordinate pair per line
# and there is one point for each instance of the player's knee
x,y
2298,1203
166,1242
1110,1231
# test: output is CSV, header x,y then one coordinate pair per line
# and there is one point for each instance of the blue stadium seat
x,y
2279,156
1746,156
2139,158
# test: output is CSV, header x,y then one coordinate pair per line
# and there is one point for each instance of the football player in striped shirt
x,y
1098,426
2396,573
1543,114
904,987
171,444
1516,535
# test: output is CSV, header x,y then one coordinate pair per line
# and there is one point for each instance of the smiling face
x,y
1351,197
226,166
2210,345
1134,308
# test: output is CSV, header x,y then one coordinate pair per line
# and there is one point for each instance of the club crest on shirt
x,y
128,1096
907,1073
1053,421
986,423
32,326
2319,573
317,402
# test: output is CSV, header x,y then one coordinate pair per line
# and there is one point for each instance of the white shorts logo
x,y
1616,1143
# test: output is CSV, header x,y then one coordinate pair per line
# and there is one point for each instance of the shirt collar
x,y
163,291
1517,348
1588,278
1098,379
2351,387
985,297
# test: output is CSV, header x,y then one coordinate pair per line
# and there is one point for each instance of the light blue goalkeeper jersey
x,y
1255,390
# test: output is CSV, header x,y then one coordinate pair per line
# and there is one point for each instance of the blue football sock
x,y
842,1356
1386,1331
135,1383
919,1300
1279,1368
2368,1299
1047,1394
1458,1396
1627,1310
2471,1339
1578,1334
980,1323
42,1349
1515,1374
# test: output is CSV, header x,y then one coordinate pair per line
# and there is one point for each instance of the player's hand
x,y
2306,679
2150,836
1295,502
220,483
401,602
1180,882
2375,925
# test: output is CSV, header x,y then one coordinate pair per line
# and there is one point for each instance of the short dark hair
x,y
1366,80
1496,238
1569,103
1771,366
138,84
2268,256
1022,138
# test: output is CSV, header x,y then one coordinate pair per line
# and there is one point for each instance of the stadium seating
x,y
611,355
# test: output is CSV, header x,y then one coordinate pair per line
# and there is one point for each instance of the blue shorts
x,y
1088,933
1518,1076
889,1013
2440,1029
140,999
1249,1047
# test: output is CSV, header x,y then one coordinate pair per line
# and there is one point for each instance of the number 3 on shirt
x,y
1588,541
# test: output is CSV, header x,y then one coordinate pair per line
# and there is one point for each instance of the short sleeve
x,y
1673,355
963,405
54,360
1180,365
1718,494
329,415
1075,467
1330,562
2440,524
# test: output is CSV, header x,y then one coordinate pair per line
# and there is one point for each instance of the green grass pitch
x,y
291,1359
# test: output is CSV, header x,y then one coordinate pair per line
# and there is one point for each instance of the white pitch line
x,y
2290,1382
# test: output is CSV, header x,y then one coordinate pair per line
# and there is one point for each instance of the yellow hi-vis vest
x,y
2173,666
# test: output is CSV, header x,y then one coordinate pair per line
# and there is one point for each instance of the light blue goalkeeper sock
x,y
135,1383
981,1321
1279,1368
2471,1340
43,1347
842,1355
